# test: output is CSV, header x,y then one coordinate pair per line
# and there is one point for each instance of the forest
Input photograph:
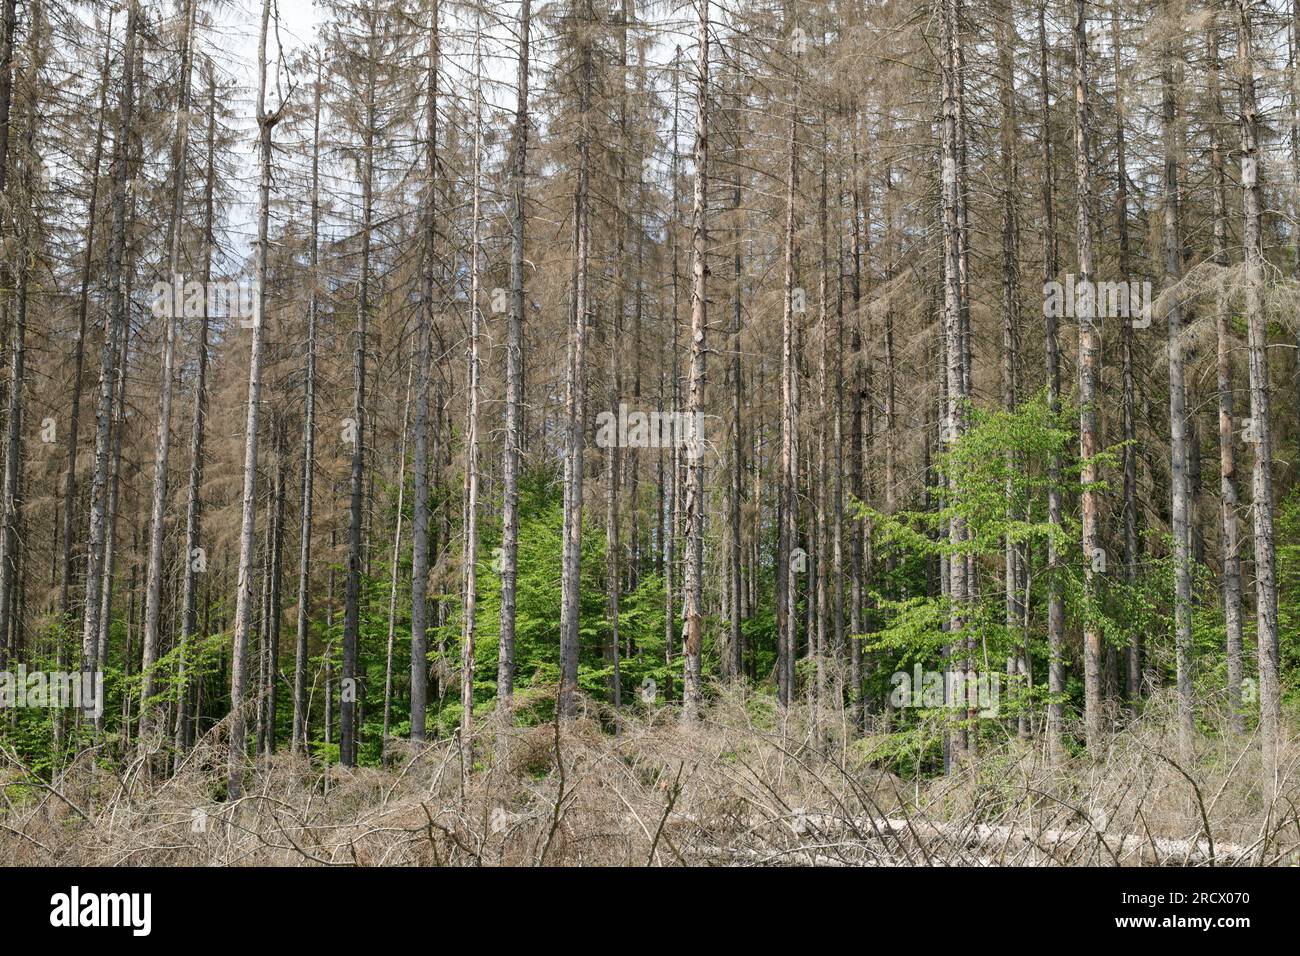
x,y
724,432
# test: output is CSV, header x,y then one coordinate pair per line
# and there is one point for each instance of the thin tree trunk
x,y
28,228
1055,599
109,371
162,449
420,464
955,343
787,506
1259,429
1177,410
350,723
1230,540
576,398
392,584
1133,654
248,520
299,739
469,623
195,557
692,579
514,384
1089,369
83,301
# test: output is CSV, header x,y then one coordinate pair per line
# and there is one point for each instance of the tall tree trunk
x,y
1230,539
1089,370
1259,429
1055,598
195,557
109,371
299,739
27,230
735,666
26,234
1006,51
349,722
470,555
392,584
514,382
248,513
788,502
692,581
955,341
83,301
576,388
275,567
1177,406
1133,654
420,464
162,448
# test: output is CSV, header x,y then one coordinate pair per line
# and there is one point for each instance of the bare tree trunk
x,y
1055,599
576,398
1012,569
392,585
673,495
349,722
275,567
118,418
1258,430
299,739
108,369
196,558
1177,409
692,581
470,553
735,661
248,521
26,233
83,301
1133,654
856,549
420,513
1230,540
514,383
955,343
788,503
162,449
1089,366
819,528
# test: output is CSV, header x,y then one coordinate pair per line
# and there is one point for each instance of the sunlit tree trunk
x,y
692,632
514,379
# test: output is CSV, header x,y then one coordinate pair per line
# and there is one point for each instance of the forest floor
x,y
751,785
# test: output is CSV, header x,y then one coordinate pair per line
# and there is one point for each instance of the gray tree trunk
x,y
248,513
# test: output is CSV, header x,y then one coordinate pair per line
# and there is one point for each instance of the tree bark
x,y
248,512
1259,429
